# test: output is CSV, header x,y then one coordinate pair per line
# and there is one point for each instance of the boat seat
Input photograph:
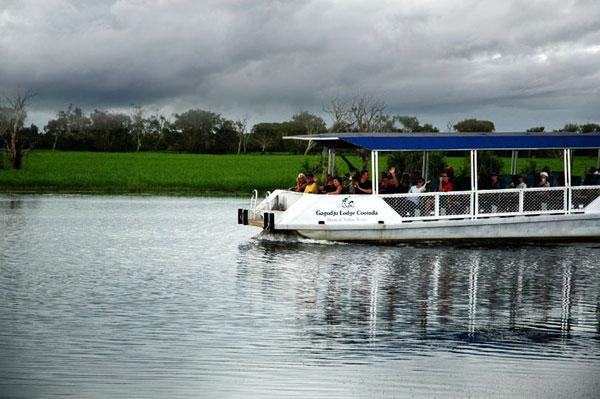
x,y
433,186
462,183
591,180
507,180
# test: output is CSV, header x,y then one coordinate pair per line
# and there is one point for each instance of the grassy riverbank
x,y
167,173
45,171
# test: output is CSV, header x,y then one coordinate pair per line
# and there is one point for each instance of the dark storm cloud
x,y
519,63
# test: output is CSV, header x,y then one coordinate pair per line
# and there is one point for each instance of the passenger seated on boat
x,y
384,184
414,176
363,185
346,184
312,186
392,180
404,185
328,184
300,183
445,184
543,180
494,182
520,182
450,173
337,186
417,189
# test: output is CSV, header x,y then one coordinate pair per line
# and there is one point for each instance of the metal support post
x,y
425,165
475,186
567,158
373,175
473,194
521,201
331,161
513,162
376,183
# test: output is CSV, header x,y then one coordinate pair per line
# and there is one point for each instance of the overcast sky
x,y
517,63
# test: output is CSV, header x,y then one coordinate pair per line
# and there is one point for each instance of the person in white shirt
x,y
417,189
544,179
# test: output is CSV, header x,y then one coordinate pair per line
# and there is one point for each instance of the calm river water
x,y
158,297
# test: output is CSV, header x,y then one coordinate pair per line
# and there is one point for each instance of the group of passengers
x,y
360,184
543,180
357,184
407,183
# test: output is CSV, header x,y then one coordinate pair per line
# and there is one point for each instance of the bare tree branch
x,y
14,117
241,127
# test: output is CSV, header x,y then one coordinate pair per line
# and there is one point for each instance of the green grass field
x,y
168,173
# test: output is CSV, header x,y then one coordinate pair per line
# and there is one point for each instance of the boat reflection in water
x,y
354,300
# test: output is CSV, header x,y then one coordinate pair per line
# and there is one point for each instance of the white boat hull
x,y
530,228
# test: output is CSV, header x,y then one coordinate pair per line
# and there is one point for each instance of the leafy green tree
x,y
308,124
571,128
538,129
266,135
474,125
590,128
111,131
290,128
203,131
139,126
160,134
60,126
428,127
411,124
488,162
70,130
225,137
407,162
241,128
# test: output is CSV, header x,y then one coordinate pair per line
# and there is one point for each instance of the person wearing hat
x,y
300,183
544,180
494,183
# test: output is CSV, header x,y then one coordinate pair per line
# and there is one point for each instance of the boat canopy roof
x,y
455,141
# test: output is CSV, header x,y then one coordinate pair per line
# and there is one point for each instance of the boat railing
x,y
492,203
278,200
582,196
253,203
426,206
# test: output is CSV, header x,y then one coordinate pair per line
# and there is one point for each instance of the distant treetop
x,y
474,125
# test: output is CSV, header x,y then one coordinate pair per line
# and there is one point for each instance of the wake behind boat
x,y
562,212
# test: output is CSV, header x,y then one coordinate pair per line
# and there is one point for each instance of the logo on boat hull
x,y
347,203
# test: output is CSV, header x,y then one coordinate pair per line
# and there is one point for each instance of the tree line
x,y
203,131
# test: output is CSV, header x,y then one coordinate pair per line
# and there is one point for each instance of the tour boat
x,y
566,212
